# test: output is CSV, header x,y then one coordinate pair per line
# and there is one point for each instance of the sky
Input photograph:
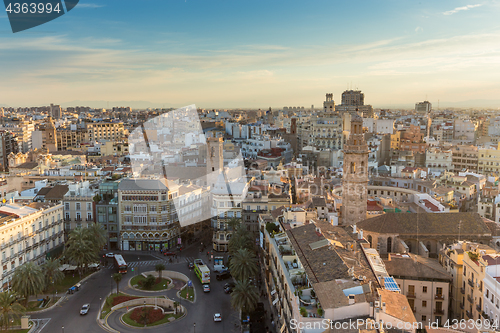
x,y
255,53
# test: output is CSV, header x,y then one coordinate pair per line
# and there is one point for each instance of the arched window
x,y
370,239
353,167
389,245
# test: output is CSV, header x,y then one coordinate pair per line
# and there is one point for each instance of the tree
x,y
80,249
97,198
51,272
239,239
28,279
9,307
149,282
244,296
234,223
159,268
96,234
117,277
243,265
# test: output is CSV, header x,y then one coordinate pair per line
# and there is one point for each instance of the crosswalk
x,y
165,261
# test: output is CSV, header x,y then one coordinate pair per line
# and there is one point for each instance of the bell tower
x,y
355,175
215,158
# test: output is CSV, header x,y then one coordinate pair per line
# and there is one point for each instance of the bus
x,y
120,264
202,271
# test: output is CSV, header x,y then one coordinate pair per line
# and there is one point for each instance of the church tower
x,y
215,159
355,177
49,136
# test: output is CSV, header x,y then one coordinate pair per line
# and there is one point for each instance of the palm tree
x,y
117,277
234,223
159,268
97,235
80,249
244,296
9,307
52,273
239,240
243,265
28,279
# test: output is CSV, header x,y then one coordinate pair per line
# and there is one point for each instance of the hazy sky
x,y
255,53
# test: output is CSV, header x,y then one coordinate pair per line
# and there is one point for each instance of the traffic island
x,y
149,316
150,283
114,300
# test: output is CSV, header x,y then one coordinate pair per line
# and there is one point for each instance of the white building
x,y
464,131
28,233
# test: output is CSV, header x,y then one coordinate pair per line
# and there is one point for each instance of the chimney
x,y
360,234
351,299
353,228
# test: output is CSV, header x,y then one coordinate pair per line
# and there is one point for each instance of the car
x,y
206,288
217,317
229,284
190,265
85,309
223,276
110,255
228,290
169,253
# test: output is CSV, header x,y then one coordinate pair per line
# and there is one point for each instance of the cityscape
x,y
263,167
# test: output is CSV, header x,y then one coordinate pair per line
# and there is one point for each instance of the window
x,y
439,291
66,206
78,216
152,208
424,318
89,206
424,304
77,206
221,204
89,216
128,208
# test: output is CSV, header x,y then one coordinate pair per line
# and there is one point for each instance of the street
x,y
97,287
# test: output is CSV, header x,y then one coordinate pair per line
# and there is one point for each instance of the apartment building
x,y
107,212
451,258
489,160
29,233
464,158
413,139
255,203
8,144
474,270
78,206
491,296
105,131
70,137
425,283
326,131
464,131
147,216
225,206
438,160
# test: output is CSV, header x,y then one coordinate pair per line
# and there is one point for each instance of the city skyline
x,y
256,55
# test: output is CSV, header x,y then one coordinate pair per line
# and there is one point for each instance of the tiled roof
x,y
27,165
428,224
419,269
57,192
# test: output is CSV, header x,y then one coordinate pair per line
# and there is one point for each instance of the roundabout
x,y
143,309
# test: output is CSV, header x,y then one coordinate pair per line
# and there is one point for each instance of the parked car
x,y
206,288
169,253
190,265
229,284
110,255
217,317
228,290
223,276
85,309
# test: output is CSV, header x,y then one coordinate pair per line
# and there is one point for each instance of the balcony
x,y
468,314
469,298
471,283
461,305
478,308
439,312
462,290
410,295
439,296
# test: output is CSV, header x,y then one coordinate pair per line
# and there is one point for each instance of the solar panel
x,y
390,284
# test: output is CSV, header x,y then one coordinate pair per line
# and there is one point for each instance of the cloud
x,y
419,29
89,5
458,9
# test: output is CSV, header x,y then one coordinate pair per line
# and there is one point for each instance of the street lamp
x,y
194,327
63,329
100,303
111,285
